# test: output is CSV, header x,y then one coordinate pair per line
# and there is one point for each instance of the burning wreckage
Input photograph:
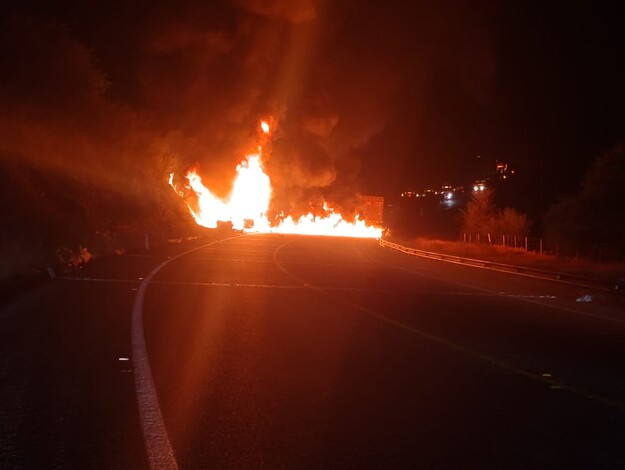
x,y
247,205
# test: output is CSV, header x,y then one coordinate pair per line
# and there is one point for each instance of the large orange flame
x,y
246,208
332,224
247,205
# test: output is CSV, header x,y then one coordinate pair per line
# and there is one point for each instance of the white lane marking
x,y
234,260
158,448
294,287
251,260
528,296
234,251
275,286
98,279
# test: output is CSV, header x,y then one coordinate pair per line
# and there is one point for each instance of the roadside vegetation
x,y
62,221
583,233
520,257
591,223
81,174
481,218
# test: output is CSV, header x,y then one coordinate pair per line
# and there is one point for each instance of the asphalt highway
x,y
270,351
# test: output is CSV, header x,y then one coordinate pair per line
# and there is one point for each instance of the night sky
x,y
367,97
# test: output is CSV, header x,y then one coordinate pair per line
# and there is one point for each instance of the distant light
x,y
264,125
449,195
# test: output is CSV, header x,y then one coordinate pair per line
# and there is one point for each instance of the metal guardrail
x,y
606,285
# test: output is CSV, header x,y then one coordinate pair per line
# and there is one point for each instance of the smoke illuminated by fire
x,y
247,205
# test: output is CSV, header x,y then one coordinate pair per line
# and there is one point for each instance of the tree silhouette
x,y
481,216
593,221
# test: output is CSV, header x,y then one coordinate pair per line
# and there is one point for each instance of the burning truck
x,y
247,205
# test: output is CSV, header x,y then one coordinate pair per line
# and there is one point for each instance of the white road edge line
x,y
158,448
